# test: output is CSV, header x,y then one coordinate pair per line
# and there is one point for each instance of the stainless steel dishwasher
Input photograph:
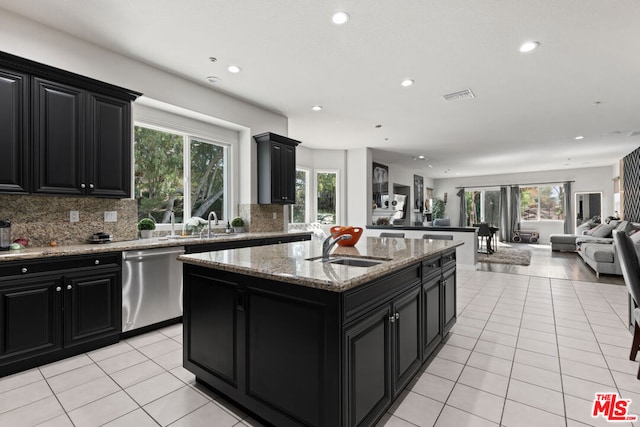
x,y
151,286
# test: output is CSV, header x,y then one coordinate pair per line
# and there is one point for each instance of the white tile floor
x,y
525,351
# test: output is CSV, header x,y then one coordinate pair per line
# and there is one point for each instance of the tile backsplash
x,y
41,219
259,218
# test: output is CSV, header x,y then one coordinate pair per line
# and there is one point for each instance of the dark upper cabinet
x,y
108,160
58,149
70,134
14,132
276,169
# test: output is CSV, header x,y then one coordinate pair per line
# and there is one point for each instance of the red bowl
x,y
355,232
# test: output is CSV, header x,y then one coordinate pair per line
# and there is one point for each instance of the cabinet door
x,y
109,147
288,180
31,318
367,346
278,162
58,160
14,133
431,322
407,354
93,306
211,327
449,306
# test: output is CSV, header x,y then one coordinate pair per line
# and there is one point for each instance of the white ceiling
x,y
528,107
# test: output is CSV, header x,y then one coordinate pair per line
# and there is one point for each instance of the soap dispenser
x,y
228,229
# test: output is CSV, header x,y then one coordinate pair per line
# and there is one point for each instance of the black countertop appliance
x,y
5,235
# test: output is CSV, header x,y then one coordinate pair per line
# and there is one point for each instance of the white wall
x,y
359,187
586,180
317,160
34,41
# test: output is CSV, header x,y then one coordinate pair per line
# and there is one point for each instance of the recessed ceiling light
x,y
579,137
528,46
421,157
407,82
316,107
234,69
213,79
340,18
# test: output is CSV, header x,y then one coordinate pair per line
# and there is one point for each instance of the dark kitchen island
x,y
300,342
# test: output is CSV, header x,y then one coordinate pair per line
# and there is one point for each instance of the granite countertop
x,y
289,262
423,227
132,245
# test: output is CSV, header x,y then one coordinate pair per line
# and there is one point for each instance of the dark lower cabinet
x,y
449,297
48,314
406,338
367,368
31,315
92,306
299,356
431,321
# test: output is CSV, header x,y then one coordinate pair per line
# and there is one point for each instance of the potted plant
x,y
146,227
238,224
438,208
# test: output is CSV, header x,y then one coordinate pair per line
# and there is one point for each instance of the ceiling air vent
x,y
457,96
635,133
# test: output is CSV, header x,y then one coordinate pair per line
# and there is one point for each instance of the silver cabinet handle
x,y
24,270
58,289
90,185
392,318
97,262
69,287
397,316
82,185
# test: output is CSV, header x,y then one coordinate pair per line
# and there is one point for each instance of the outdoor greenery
x,y
159,185
298,209
542,203
326,197
479,200
160,176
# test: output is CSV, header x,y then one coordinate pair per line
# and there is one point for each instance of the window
x,y
299,211
542,203
483,206
180,173
327,197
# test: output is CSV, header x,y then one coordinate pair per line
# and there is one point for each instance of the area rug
x,y
507,255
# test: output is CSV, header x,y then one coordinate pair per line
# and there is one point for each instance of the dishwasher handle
x,y
128,256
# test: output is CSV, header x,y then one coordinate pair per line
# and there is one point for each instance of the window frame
x,y
187,138
338,216
538,219
307,204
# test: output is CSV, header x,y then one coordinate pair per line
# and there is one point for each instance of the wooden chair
x,y
397,235
631,273
437,236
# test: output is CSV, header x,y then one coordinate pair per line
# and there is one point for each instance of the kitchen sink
x,y
355,262
351,261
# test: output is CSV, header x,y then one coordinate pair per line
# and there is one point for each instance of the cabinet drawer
x,y
449,259
363,298
51,265
431,267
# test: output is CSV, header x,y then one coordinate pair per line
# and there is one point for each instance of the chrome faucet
x,y
215,222
172,218
328,244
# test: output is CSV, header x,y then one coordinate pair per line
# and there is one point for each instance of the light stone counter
x,y
139,244
290,262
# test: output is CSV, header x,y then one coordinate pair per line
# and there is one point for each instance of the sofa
x,y
595,245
